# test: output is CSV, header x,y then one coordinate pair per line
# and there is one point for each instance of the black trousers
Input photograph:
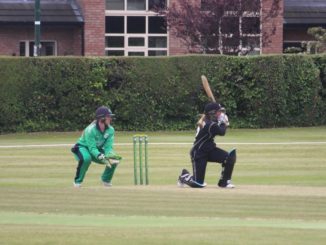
x,y
199,164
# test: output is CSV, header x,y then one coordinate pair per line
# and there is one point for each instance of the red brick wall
x,y
68,39
272,26
176,45
94,26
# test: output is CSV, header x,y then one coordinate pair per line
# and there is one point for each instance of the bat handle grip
x,y
200,122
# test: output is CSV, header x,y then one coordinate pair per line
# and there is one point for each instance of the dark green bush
x,y
320,61
62,93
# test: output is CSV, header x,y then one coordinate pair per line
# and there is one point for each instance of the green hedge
x,y
62,93
320,61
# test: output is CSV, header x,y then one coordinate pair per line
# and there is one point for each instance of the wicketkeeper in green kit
x,y
96,145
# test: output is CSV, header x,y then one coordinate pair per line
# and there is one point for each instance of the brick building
x,y
119,27
131,28
61,28
299,16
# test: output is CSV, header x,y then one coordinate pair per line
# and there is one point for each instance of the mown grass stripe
x,y
172,144
152,221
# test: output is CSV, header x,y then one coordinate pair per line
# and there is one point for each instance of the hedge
x,y
62,93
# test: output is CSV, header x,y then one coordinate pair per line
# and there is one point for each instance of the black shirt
x,y
204,141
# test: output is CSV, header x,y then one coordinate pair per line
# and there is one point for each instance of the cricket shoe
x,y
106,184
184,174
77,185
180,183
228,184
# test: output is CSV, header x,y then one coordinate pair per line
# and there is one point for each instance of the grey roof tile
x,y
305,12
54,11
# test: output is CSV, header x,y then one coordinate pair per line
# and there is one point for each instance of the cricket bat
x,y
207,88
210,95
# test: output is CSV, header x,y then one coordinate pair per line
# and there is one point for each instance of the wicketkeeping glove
x,y
113,156
102,158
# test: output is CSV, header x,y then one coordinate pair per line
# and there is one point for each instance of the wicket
x,y
140,139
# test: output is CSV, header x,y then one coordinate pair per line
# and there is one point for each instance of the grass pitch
x,y
280,197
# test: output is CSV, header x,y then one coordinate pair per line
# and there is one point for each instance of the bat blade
x,y
207,88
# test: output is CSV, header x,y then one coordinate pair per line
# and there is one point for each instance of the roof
x,y
52,11
306,12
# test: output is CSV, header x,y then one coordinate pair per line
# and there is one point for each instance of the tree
x,y
319,45
217,26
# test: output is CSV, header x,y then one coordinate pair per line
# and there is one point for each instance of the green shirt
x,y
96,141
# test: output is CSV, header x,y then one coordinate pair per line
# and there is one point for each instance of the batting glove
x,y
223,118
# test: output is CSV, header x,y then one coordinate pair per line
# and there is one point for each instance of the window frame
x,y
27,44
126,7
241,48
137,13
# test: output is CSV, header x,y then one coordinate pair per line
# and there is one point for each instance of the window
x,y
212,43
240,32
114,24
136,24
22,49
136,42
250,5
157,42
250,25
115,4
230,25
136,4
114,42
251,42
114,53
233,5
157,53
131,29
231,41
48,48
156,25
136,53
156,4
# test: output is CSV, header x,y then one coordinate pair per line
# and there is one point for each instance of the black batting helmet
x,y
212,107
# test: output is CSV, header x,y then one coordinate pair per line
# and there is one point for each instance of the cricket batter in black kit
x,y
205,150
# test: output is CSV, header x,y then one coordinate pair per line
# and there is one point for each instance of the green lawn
x,y
280,196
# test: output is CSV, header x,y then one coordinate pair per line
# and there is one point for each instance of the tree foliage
x,y
319,45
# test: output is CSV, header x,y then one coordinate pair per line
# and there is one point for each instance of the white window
x,y
115,4
132,29
137,5
48,48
